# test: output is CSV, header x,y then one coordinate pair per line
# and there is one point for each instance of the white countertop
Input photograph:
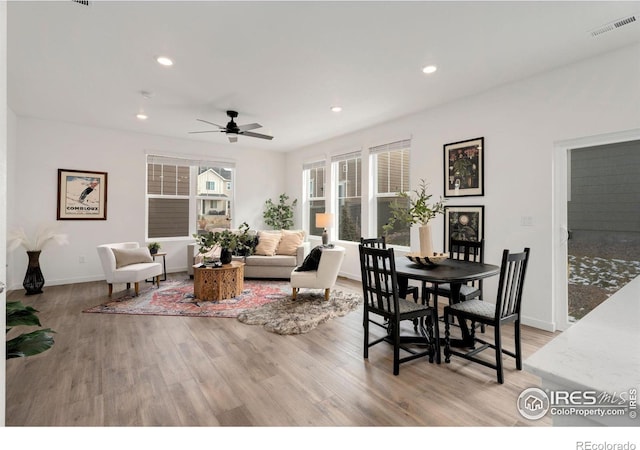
x,y
600,352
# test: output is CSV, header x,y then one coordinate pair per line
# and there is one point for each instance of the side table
x,y
164,266
218,283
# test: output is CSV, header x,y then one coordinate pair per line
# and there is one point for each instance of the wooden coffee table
x,y
218,283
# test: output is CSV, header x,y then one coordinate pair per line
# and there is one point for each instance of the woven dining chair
x,y
505,310
381,300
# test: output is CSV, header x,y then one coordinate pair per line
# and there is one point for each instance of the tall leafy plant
x,y
419,210
279,216
26,344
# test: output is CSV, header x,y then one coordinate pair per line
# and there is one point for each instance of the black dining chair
x,y
380,242
505,310
463,251
381,300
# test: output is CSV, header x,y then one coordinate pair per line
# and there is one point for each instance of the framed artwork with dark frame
x,y
465,223
82,195
464,168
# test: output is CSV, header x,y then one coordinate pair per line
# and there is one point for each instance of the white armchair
x,y
128,263
323,278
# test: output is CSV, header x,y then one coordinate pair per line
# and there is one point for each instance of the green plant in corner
x,y
418,212
26,344
279,216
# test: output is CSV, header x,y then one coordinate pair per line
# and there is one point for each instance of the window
x,y
314,185
347,175
184,195
390,164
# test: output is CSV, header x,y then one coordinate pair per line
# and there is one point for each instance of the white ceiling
x,y
284,64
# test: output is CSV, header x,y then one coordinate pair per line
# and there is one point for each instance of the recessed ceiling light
x,y
336,108
164,61
142,116
429,69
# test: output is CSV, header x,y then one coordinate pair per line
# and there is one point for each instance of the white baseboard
x,y
540,324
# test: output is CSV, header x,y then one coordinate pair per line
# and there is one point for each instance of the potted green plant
x,y
26,344
154,247
230,242
279,216
418,212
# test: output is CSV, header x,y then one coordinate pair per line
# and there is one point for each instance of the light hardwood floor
x,y
120,370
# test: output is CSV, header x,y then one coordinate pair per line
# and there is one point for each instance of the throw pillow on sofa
x,y
312,261
290,241
267,243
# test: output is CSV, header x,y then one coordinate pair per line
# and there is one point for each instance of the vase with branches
x,y
416,209
230,242
34,280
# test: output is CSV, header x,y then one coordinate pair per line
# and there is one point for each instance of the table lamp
x,y
324,220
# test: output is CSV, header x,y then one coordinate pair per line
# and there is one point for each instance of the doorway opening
x,y
603,218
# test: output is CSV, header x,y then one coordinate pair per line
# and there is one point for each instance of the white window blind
x,y
345,156
398,145
177,161
314,165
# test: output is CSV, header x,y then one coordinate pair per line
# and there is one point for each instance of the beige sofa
x,y
276,266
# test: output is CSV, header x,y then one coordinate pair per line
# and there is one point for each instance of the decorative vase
x,y
225,256
33,280
426,244
153,251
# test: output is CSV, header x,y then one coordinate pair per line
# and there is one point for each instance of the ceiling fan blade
x,y
233,138
250,126
211,123
256,135
209,131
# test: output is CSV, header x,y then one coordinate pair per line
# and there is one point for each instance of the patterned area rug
x,y
175,298
262,302
303,315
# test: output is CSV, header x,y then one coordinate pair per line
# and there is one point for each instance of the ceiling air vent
x,y
613,25
81,2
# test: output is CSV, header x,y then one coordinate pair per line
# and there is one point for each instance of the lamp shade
x,y
324,220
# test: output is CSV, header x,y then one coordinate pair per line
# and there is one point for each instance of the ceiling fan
x,y
233,130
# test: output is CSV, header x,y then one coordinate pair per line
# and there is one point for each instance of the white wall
x,y
4,117
42,147
520,123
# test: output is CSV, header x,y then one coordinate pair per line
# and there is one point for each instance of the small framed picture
x,y
465,223
82,195
464,168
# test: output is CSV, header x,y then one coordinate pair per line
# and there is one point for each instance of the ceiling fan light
x,y
336,109
142,116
